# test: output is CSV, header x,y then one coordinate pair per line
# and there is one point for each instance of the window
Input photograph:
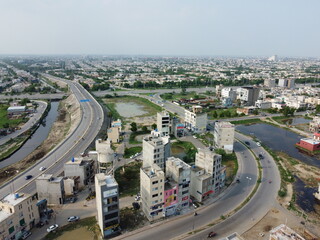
x,y
154,182
11,230
185,192
111,215
113,207
22,222
108,224
154,189
155,195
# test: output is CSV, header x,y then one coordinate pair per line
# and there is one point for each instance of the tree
x,y
255,112
214,114
154,126
287,111
133,127
318,109
183,91
145,129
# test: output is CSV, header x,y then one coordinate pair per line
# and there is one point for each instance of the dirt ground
x,y
276,216
67,120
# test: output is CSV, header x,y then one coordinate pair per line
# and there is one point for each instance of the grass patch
x,y
128,152
90,223
128,178
281,119
189,149
248,121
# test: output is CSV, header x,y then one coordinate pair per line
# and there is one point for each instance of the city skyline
x,y
161,28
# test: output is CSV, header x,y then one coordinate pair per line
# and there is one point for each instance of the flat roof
x,y
14,198
310,141
16,108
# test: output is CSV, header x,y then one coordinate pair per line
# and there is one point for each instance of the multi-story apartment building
x,y
248,95
18,214
51,188
156,150
229,93
283,83
201,183
107,204
196,120
224,136
270,83
314,125
211,163
82,167
152,181
178,173
164,123
105,155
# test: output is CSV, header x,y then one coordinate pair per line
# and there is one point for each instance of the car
x,y
72,199
73,219
26,235
258,144
246,142
238,180
261,156
52,228
194,136
28,177
42,168
137,198
212,234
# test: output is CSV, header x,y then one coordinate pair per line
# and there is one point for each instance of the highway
x,y
87,130
32,121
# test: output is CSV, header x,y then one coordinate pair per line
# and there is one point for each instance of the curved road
x,y
88,128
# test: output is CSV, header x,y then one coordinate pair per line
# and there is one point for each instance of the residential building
x,y
283,232
18,214
314,125
224,136
195,120
229,93
248,95
263,104
178,173
310,144
283,83
156,150
114,134
82,167
152,181
211,163
51,188
117,124
270,83
107,204
201,183
291,83
164,123
71,185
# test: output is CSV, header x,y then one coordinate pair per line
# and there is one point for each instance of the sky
x,y
161,27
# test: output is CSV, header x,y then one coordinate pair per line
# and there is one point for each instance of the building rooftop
x,y
16,108
282,232
50,178
154,171
178,163
310,141
108,180
79,161
224,124
14,198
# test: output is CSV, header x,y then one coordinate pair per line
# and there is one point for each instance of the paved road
x,y
32,121
35,96
88,128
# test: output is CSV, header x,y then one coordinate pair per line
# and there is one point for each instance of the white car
x,y
73,219
42,168
52,227
258,144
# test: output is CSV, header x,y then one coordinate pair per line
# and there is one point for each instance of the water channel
x,y
279,139
35,140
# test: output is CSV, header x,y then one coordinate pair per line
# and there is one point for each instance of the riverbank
x,y
67,120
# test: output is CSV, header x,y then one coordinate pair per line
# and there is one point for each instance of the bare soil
x,y
68,119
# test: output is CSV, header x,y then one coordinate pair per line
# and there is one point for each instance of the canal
x,y
278,139
35,140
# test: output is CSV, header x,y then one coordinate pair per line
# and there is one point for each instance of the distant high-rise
x,y
273,58
270,83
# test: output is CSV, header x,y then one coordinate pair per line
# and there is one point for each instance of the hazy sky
x,y
161,27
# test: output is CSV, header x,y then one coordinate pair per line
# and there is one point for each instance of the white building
x,y
270,83
283,232
105,154
248,95
224,136
282,83
152,181
263,104
195,120
164,123
156,150
107,204
201,183
229,93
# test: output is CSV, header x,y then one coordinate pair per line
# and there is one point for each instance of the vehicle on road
x,y
28,177
238,180
246,142
52,228
258,144
261,156
73,219
42,168
212,234
72,199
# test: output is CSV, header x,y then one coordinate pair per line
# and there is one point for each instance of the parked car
x,y
42,168
137,198
246,142
72,199
261,156
258,144
73,219
238,180
52,228
26,235
28,177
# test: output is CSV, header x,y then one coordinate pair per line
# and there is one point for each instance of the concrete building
x,y
263,104
164,123
152,181
270,83
178,173
283,83
117,124
314,125
229,93
82,167
283,232
156,150
105,155
201,183
71,185
195,120
248,95
18,214
291,83
224,136
107,204
114,134
16,110
51,188
211,163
